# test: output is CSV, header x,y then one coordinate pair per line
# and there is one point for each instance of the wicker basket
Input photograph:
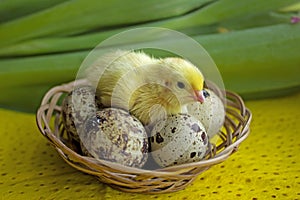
x,y
170,179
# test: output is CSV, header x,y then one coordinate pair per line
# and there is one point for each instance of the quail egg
x,y
113,134
178,139
76,107
211,113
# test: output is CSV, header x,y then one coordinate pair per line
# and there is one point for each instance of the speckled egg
x,y
211,113
114,135
178,139
76,107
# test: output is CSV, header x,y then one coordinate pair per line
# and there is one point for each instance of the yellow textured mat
x,y
267,165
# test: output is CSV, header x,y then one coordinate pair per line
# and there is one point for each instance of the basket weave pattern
x,y
170,179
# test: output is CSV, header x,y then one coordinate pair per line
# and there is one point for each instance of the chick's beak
x,y
199,95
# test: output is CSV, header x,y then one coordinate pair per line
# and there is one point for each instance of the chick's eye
x,y
180,85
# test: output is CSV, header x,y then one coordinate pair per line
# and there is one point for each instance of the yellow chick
x,y
149,88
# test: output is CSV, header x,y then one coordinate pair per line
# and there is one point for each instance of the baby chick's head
x,y
186,80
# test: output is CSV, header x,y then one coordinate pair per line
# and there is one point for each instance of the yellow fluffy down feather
x,y
149,88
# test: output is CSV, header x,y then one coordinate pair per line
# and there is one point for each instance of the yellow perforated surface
x,y
267,165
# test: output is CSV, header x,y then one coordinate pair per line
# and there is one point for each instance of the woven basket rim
x,y
94,166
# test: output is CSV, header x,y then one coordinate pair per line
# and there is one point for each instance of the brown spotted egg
x,y
76,107
114,135
178,139
211,113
